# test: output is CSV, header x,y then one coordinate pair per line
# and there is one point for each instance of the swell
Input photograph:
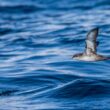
x,y
19,9
79,89
7,92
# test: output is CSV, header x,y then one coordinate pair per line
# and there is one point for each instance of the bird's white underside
x,y
90,58
85,58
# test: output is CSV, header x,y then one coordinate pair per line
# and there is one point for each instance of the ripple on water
x,y
37,42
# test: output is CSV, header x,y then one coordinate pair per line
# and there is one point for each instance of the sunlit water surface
x,y
37,41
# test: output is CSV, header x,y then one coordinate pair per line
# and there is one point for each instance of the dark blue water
x,y
37,41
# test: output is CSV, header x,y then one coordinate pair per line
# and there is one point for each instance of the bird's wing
x,y
91,43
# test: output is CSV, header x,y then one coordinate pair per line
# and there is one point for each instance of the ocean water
x,y
37,41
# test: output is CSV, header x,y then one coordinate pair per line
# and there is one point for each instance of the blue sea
x,y
37,41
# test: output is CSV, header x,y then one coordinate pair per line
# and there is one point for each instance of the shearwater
x,y
90,53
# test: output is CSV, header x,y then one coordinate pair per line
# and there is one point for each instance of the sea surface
x,y
37,41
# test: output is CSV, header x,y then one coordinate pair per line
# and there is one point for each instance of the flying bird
x,y
90,53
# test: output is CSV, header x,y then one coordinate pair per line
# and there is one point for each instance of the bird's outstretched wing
x,y
91,43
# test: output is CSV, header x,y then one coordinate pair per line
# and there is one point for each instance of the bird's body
x,y
90,53
92,57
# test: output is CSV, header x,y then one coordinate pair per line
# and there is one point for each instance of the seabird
x,y
90,53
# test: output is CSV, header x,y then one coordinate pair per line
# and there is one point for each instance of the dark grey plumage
x,y
91,43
